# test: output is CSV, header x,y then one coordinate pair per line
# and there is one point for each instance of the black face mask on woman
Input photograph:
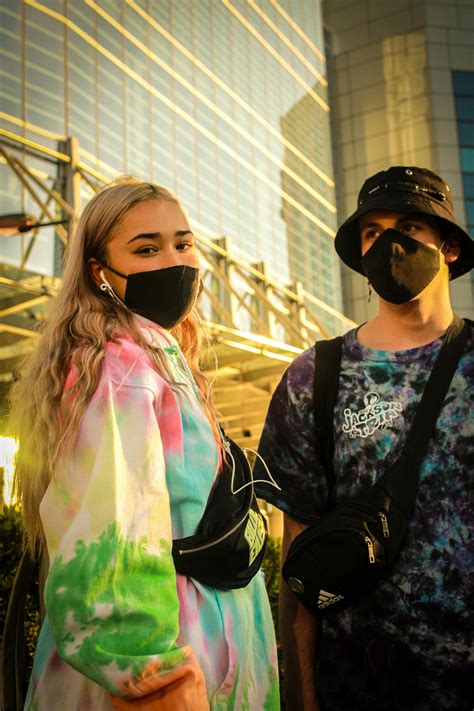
x,y
399,267
165,296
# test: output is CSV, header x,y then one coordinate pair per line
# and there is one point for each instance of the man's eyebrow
x,y
157,235
369,224
411,218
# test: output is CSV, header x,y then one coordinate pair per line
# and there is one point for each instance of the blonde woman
x,y
119,451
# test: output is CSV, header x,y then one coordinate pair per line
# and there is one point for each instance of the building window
x,y
463,83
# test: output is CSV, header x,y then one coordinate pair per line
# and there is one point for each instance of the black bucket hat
x,y
405,190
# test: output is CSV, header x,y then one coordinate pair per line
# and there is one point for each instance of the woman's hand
x,y
183,688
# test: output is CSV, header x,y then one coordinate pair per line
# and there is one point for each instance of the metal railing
x,y
238,295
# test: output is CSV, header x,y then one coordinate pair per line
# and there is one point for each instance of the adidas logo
x,y
326,598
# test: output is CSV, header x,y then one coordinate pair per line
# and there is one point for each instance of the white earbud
x,y
107,289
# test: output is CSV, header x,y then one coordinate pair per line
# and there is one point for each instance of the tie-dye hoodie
x,y
122,629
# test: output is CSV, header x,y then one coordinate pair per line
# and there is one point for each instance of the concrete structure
x,y
402,79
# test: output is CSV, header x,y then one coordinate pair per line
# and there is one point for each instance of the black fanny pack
x,y
341,558
229,544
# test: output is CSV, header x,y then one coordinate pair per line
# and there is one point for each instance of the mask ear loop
x,y
447,263
197,295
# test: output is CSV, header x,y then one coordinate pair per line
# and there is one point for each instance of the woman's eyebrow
x,y
157,235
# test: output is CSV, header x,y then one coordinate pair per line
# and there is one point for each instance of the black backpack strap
x,y
327,366
435,390
325,388
401,479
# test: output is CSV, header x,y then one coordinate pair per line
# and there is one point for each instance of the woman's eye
x,y
371,234
410,227
183,246
146,250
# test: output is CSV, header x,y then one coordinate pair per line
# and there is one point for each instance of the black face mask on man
x,y
399,267
165,296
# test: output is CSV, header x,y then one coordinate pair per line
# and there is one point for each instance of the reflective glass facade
x,y
463,84
223,101
402,94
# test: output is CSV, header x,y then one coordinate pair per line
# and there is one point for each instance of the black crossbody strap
x,y
401,479
434,393
327,366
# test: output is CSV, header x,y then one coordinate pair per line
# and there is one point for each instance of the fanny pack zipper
x,y
218,540
370,548
382,516
365,536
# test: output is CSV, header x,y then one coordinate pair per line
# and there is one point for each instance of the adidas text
x,y
326,598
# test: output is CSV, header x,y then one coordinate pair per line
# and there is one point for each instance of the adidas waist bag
x,y
229,544
341,558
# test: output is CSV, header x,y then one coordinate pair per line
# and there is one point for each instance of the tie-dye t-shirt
x,y
407,646
122,629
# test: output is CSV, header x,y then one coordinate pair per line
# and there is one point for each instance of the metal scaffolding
x,y
256,324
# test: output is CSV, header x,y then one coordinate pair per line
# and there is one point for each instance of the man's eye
x,y
410,227
183,246
371,234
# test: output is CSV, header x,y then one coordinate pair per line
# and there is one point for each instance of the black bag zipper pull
x,y
383,518
370,548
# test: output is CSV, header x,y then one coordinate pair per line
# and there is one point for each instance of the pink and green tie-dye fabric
x,y
122,629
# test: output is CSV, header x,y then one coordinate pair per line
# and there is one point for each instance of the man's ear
x,y
451,249
95,268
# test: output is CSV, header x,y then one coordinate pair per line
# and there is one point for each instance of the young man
x,y
405,646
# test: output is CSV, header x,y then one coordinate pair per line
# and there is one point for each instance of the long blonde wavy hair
x,y
81,321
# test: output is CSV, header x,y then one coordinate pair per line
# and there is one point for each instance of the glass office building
x,y
223,101
463,84
403,94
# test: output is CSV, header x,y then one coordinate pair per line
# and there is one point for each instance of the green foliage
x,y
271,567
11,550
